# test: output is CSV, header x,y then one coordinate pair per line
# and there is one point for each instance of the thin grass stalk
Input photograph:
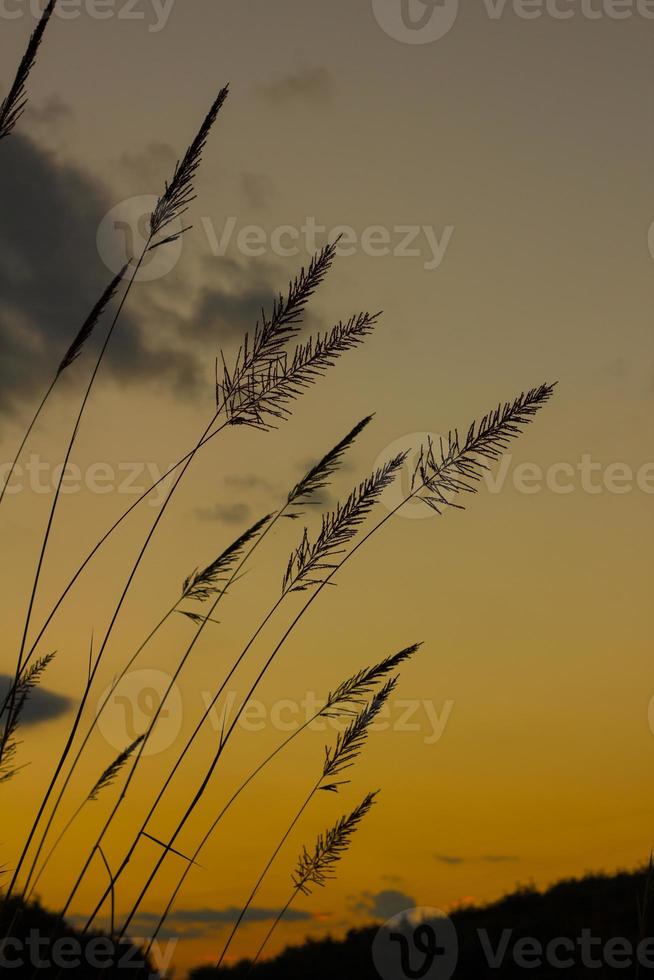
x,y
85,741
255,531
26,436
114,811
69,358
73,732
105,780
90,731
172,204
316,868
459,471
349,692
362,499
313,481
342,757
255,891
270,398
98,546
9,704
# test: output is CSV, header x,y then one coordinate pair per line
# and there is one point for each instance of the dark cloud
x,y
258,189
42,705
149,166
499,858
53,111
229,315
51,276
206,916
236,513
385,904
249,481
484,859
308,85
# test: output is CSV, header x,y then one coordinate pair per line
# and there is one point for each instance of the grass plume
x,y
91,322
444,473
180,192
112,772
311,560
13,105
315,867
349,743
202,585
263,395
360,684
319,475
14,707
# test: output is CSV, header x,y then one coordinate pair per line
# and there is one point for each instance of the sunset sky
x,y
517,154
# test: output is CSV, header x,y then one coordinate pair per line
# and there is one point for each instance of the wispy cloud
x,y
307,85
385,904
236,513
484,859
258,189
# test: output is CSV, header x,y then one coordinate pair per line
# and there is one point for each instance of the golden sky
x,y
521,152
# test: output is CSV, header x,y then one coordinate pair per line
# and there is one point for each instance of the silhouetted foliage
x,y
34,936
607,906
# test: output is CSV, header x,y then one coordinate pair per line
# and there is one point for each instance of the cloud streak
x,y
484,859
42,705
311,85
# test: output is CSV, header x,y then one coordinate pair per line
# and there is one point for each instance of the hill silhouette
x,y
591,925
37,942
